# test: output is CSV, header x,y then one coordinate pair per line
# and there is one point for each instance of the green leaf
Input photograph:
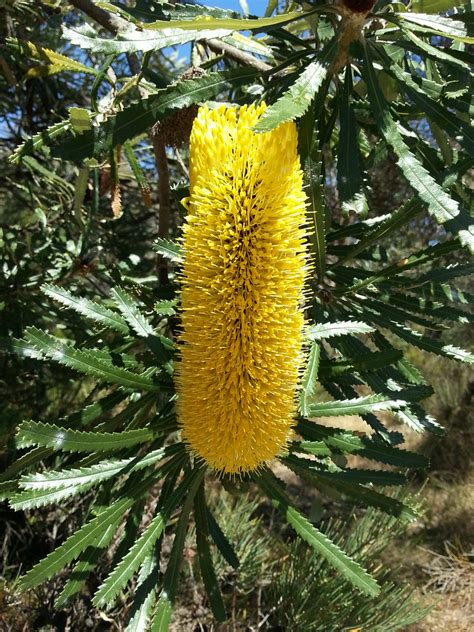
x,y
127,566
162,617
145,595
452,125
87,561
164,606
222,543
349,176
355,491
161,34
359,406
88,362
80,120
343,328
138,173
348,442
165,308
50,436
297,99
447,27
39,140
168,249
132,314
310,375
419,340
434,6
316,211
89,534
93,474
421,47
122,573
234,24
391,223
349,568
86,307
439,203
160,345
137,118
208,572
49,57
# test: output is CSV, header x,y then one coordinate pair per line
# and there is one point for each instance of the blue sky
x,y
256,7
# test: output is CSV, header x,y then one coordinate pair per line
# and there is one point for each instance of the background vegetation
x,y
386,145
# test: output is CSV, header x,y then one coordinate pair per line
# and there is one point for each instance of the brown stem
x,y
109,21
237,55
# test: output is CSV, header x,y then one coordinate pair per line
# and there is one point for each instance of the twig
x,y
109,21
237,55
180,161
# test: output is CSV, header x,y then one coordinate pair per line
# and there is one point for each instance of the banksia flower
x,y
242,286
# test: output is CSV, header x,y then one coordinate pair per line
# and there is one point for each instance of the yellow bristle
x,y
242,286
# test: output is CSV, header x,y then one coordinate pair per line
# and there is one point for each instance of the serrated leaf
x,y
87,561
165,308
348,442
51,436
343,328
89,534
310,375
453,125
121,574
440,204
316,210
145,595
88,362
162,616
348,567
419,46
137,118
39,140
127,566
417,339
88,308
234,24
80,119
361,405
387,226
97,473
168,249
161,34
359,493
447,27
47,56
298,97
161,346
128,306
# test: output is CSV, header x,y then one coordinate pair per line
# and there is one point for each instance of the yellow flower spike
x,y
243,274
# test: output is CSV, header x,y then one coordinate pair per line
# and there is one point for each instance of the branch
x,y
109,21
237,55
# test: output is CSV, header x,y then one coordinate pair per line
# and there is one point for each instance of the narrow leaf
x,y
348,567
